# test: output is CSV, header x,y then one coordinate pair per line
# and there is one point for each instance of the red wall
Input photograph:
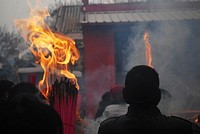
x,y
99,64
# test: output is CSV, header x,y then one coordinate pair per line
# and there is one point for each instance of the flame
x,y
148,50
53,51
196,120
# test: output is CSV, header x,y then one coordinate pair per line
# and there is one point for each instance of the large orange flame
x,y
148,50
53,51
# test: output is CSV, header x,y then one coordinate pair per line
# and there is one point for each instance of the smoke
x,y
99,86
175,55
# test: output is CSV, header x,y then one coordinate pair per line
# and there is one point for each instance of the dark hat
x,y
142,86
116,93
116,89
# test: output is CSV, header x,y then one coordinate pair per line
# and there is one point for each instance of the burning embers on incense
x,y
63,97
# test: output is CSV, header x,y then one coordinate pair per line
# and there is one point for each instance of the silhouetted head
x,y
24,88
142,86
25,114
5,86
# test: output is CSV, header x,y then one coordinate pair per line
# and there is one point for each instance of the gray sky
x,y
16,9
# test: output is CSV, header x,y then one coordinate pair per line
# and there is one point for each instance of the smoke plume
x,y
175,55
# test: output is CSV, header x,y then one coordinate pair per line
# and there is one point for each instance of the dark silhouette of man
x,y
143,94
5,86
26,114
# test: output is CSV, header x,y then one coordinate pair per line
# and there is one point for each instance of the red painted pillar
x,y
99,65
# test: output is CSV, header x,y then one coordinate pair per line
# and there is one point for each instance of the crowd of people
x,y
23,110
124,109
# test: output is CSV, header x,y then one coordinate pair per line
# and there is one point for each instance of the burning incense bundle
x,y
54,52
63,97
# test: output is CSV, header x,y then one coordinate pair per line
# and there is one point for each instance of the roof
x,y
68,20
71,17
139,16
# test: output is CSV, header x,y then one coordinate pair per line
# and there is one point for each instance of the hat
x,y
115,89
142,86
116,93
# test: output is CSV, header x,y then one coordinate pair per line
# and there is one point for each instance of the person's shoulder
x,y
111,120
178,123
111,125
108,121
195,128
179,119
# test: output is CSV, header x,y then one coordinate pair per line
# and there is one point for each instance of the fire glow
x,y
53,51
148,50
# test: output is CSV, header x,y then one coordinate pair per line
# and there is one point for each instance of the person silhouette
x,y
111,105
26,114
26,88
5,86
143,94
